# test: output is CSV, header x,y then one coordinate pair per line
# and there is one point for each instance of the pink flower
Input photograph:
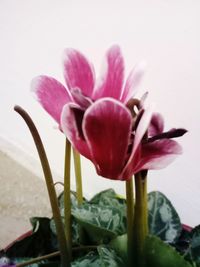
x,y
98,124
118,145
82,87
156,150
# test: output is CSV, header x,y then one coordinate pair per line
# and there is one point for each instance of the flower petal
x,y
78,72
133,80
158,154
83,101
156,125
107,129
140,131
51,94
110,84
142,127
71,124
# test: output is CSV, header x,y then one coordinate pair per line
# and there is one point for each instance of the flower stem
x,y
67,197
145,200
141,217
65,259
77,165
79,190
130,218
55,254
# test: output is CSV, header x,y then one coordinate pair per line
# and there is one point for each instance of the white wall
x,y
163,32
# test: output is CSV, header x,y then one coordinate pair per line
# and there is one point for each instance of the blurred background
x,y
164,33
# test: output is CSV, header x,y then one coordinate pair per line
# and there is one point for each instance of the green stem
x,y
79,190
65,259
145,200
67,197
130,218
38,259
77,165
55,254
141,217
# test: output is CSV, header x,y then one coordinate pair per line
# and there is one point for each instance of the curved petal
x,y
156,125
142,127
140,131
143,100
107,129
83,101
78,72
51,94
71,124
158,154
133,80
110,84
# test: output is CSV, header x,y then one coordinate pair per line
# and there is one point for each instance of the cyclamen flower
x,y
82,87
97,122
108,136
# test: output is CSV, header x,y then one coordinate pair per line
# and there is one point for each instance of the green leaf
x,y
193,251
74,202
164,221
90,260
109,257
110,198
195,245
101,223
159,254
75,232
75,227
119,244
101,197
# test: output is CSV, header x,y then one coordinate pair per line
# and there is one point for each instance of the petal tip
x,y
66,55
114,47
67,51
35,86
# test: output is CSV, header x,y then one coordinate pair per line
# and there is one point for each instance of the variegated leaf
x,y
164,221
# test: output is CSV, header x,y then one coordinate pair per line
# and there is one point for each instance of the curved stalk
x,y
55,254
65,259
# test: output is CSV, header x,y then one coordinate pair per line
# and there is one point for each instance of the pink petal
x,y
133,80
157,124
110,85
51,94
158,154
142,127
143,99
140,131
83,101
71,124
107,129
78,72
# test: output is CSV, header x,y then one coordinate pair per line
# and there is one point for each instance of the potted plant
x,y
124,138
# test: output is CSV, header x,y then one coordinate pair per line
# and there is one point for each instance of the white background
x,y
33,34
